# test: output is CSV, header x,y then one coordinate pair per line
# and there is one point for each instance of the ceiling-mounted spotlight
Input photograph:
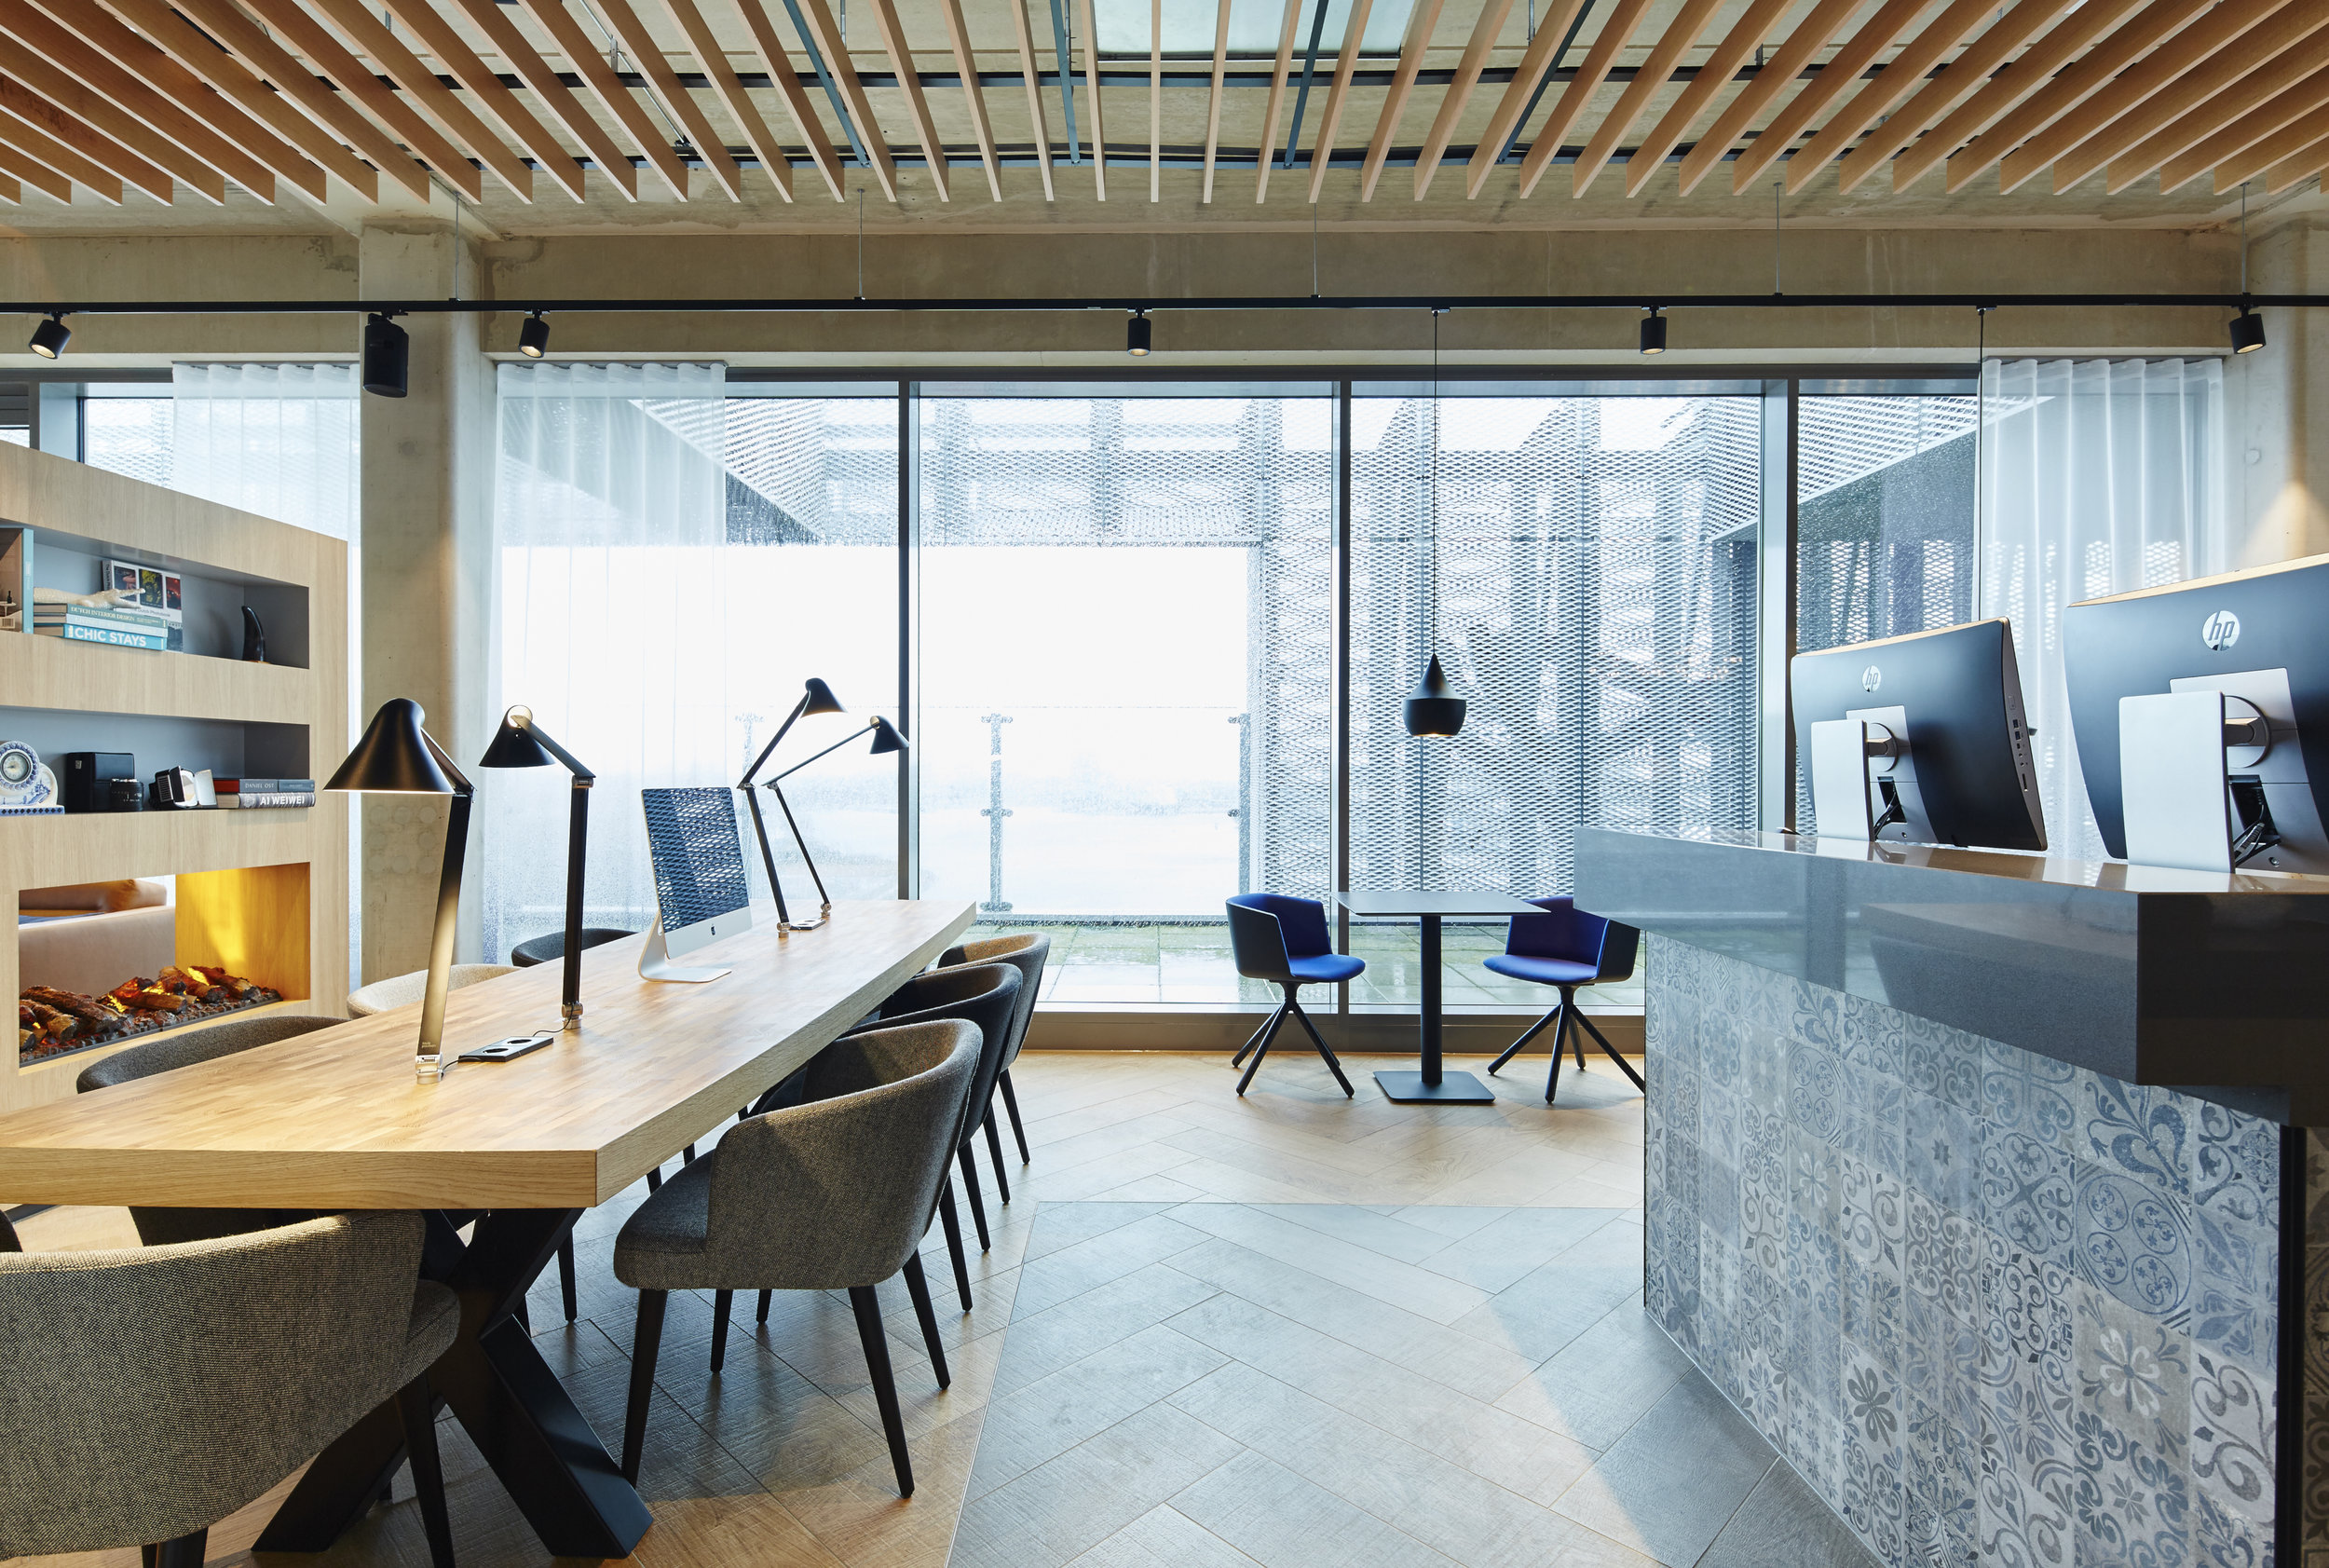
x,y
534,335
1654,333
387,352
2247,329
51,335
1136,334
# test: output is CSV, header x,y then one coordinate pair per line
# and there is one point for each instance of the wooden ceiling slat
x,y
827,41
966,61
1485,28
1745,37
1957,81
1534,63
776,60
541,78
326,56
1812,34
1568,109
368,32
901,53
582,57
2301,166
2210,106
71,163
1835,78
1421,21
298,81
2046,102
1213,98
1900,76
1035,98
2154,93
484,84
131,98
223,74
1680,34
1091,95
712,60
32,171
2234,169
44,97
681,105
1278,76
10,192
1338,97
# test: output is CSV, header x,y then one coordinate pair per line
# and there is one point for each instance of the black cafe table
x,y
1432,1086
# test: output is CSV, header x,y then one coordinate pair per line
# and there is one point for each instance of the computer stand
x,y
655,961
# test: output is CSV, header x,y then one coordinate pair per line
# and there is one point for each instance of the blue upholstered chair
x,y
1285,940
1566,947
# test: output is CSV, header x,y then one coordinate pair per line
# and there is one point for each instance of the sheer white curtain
x,y
614,622
280,440
2098,476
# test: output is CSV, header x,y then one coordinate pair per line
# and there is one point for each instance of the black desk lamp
x,y
397,757
816,698
520,742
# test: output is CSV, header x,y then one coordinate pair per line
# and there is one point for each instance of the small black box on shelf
x,y
86,774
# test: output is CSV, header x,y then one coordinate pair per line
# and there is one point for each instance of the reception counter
x,y
1979,1183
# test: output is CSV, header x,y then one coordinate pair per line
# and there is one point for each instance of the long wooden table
x,y
335,1119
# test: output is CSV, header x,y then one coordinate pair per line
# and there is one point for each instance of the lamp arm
x,y
823,897
852,735
577,833
452,768
759,762
430,1047
560,752
767,857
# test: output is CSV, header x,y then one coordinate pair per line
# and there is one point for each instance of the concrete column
x,y
425,577
2277,399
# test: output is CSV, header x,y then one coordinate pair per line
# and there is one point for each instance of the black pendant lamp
x,y
1432,708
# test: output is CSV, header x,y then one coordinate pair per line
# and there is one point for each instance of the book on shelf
x,y
244,800
265,787
154,640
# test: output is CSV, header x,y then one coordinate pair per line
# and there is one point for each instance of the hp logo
x,y
2221,630
1870,678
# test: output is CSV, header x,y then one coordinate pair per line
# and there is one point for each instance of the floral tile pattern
x,y
1993,1307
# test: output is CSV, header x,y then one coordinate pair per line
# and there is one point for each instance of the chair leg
x,y
1561,1034
722,1302
1601,1040
1269,1026
1533,1029
762,1315
1011,1104
918,1287
978,1199
1332,1066
186,1551
644,1342
565,1274
1576,1040
953,1224
1260,1044
876,1341
419,1407
994,1152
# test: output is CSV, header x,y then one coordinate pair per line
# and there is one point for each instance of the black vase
x,y
253,637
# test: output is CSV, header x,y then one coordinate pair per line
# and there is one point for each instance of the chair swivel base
x,y
1453,1088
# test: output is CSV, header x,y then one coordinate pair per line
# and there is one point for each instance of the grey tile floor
x,y
1241,1386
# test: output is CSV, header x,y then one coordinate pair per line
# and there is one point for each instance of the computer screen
x,y
700,889
1952,701
2260,637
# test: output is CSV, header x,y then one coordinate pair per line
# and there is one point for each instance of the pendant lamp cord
x,y
1432,651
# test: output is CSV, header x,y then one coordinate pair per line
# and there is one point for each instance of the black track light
x,y
1136,334
2247,329
387,352
534,337
51,335
1654,333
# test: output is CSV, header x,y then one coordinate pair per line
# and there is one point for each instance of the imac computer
x,y
700,891
1919,739
2201,713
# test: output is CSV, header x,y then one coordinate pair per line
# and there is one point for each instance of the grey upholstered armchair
x,y
1028,950
152,1391
835,1194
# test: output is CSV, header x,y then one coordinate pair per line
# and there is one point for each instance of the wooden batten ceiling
x,y
353,104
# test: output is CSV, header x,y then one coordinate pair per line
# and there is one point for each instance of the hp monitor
x,y
1920,739
700,891
2201,713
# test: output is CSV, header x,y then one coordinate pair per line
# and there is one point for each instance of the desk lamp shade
x,y
1432,708
885,739
396,756
520,742
817,698
516,744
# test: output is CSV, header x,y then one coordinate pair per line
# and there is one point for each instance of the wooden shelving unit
x,y
286,916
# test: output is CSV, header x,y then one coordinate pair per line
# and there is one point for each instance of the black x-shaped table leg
x,y
504,1396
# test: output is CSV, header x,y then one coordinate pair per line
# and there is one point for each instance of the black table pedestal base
x,y
1453,1088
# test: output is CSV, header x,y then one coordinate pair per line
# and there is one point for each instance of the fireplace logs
x,y
52,1022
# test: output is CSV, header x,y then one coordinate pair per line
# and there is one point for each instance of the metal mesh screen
x,y
1596,563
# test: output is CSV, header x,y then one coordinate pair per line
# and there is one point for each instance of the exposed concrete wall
x,y
2278,409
